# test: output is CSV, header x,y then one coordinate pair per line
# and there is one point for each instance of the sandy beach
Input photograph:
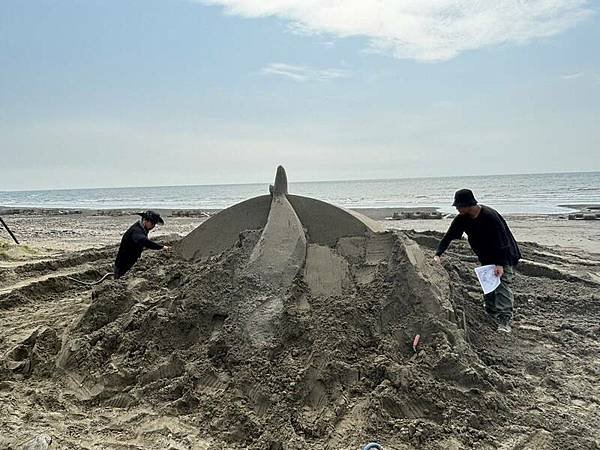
x,y
537,388
62,230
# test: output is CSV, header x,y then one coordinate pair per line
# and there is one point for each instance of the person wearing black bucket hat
x,y
464,198
135,241
493,243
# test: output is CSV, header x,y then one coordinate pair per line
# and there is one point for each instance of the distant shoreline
x,y
374,213
583,206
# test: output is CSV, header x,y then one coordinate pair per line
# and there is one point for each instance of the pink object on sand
x,y
416,342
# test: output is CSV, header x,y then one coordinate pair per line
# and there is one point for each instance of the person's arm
x,y
501,242
454,232
141,239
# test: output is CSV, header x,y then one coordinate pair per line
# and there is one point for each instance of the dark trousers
x,y
499,303
119,272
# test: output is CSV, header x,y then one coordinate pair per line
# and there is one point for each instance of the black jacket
x,y
133,243
489,237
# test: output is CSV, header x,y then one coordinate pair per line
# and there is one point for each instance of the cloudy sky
x,y
168,92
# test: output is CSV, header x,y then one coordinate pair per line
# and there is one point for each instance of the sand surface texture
x,y
208,354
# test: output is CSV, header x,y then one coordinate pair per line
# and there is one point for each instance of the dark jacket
x,y
133,243
489,237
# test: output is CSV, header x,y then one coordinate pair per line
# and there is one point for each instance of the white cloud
x,y
585,76
303,73
572,76
427,30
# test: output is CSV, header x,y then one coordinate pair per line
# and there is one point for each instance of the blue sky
x,y
130,93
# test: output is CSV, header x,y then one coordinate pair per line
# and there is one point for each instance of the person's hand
x,y
499,271
436,258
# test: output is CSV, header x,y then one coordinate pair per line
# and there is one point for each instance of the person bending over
x,y
135,241
493,243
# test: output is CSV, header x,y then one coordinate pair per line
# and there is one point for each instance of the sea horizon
x,y
511,193
342,180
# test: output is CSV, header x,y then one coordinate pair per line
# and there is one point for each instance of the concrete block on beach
x,y
584,216
417,214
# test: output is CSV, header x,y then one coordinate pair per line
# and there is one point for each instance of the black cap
x,y
153,217
464,198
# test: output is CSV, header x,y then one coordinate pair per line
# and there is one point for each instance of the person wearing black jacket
x,y
493,243
135,241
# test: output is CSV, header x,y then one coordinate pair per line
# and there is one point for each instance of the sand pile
x,y
328,361
200,355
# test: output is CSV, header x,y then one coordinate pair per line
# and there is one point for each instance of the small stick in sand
x,y
8,229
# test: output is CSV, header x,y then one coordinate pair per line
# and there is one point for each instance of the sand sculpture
x,y
275,278
324,223
297,233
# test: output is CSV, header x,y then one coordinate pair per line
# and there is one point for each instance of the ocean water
x,y
514,194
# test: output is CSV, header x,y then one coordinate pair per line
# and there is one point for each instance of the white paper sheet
x,y
487,278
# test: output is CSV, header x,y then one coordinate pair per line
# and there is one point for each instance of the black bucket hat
x,y
464,198
153,217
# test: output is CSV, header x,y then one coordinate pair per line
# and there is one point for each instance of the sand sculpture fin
x,y
281,250
281,185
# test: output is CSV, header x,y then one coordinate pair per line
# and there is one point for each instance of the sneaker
x,y
505,328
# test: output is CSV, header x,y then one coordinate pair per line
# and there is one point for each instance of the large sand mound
x,y
329,361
